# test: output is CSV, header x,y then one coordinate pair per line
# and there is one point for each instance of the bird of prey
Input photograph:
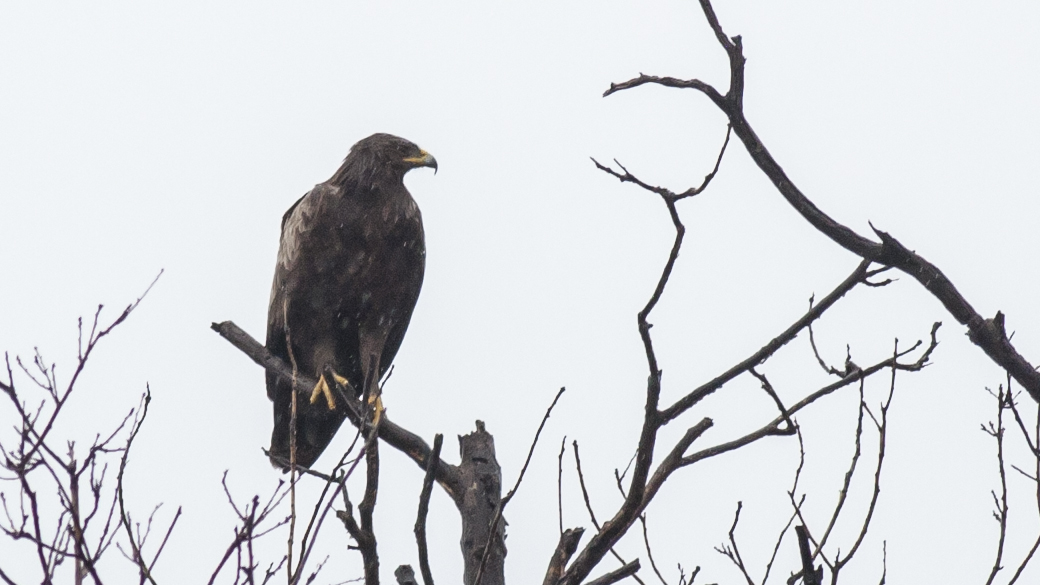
x,y
350,266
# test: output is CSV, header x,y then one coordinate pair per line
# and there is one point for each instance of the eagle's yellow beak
x,y
424,159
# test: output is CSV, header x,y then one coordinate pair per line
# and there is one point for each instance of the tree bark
x,y
481,495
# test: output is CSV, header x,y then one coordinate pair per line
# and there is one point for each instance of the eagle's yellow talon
x,y
376,402
317,389
322,388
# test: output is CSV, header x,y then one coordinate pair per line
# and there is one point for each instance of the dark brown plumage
x,y
350,266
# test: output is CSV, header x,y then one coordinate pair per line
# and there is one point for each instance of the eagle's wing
x,y
296,222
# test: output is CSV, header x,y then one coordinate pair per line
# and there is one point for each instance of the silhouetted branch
x,y
731,551
668,195
584,490
857,276
635,501
988,334
684,580
843,493
424,508
812,547
564,550
776,398
831,370
1036,482
588,503
322,506
559,482
1001,502
616,575
882,429
397,437
776,547
509,496
252,518
136,557
810,574
649,552
83,508
366,508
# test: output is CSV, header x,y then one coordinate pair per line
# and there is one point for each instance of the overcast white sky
x,y
137,138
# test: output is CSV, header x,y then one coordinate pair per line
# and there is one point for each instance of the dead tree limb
x,y
480,501
424,508
403,440
475,485
564,550
988,334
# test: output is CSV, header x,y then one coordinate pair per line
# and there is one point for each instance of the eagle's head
x,y
381,157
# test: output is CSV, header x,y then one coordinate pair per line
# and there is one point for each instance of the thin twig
x,y
616,575
138,558
844,492
732,552
424,508
588,503
1001,503
882,428
649,552
509,496
1036,462
626,177
815,311
559,483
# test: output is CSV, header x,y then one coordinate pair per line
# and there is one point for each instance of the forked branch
x,y
988,333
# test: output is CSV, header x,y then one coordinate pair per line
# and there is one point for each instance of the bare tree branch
x,y
649,550
1001,502
616,575
559,483
811,575
857,276
843,493
731,551
397,437
668,195
424,508
366,508
988,334
509,496
588,503
564,550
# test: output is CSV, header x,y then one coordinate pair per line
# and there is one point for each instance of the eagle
x,y
349,270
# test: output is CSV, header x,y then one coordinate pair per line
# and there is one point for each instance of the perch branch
x,y
403,440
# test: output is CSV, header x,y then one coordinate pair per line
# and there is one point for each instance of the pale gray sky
x,y
140,137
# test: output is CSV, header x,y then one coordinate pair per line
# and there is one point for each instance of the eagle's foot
x,y
376,403
322,388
